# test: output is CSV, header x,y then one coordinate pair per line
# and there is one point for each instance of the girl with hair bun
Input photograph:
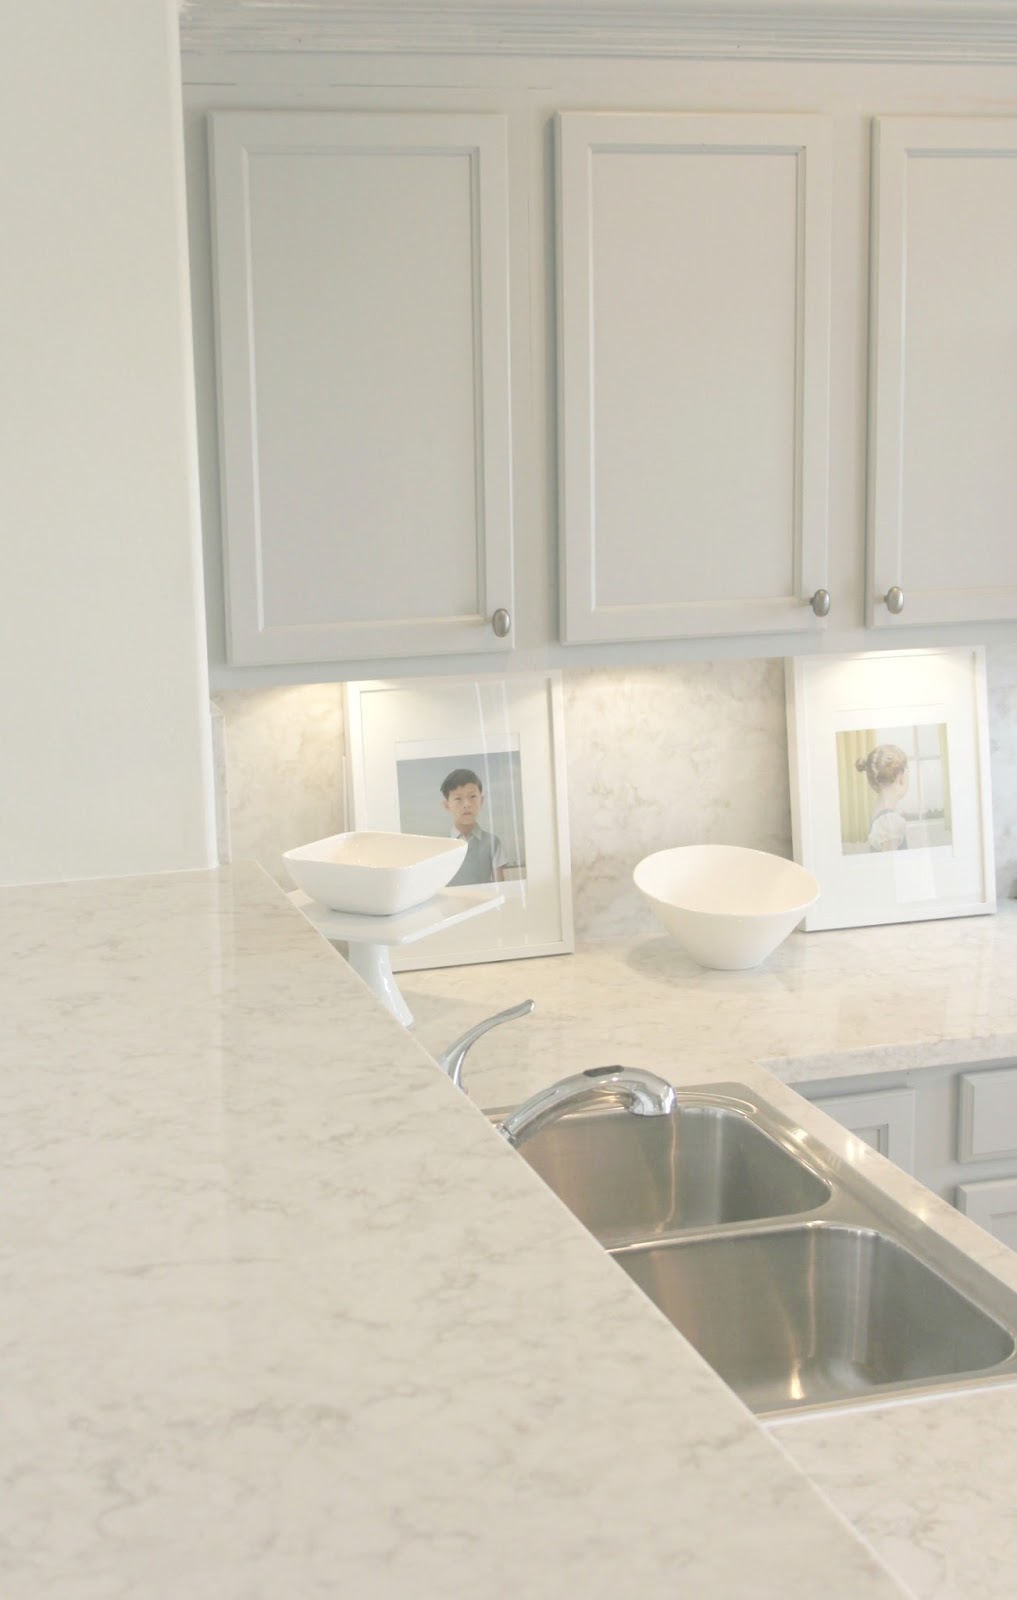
x,y
886,768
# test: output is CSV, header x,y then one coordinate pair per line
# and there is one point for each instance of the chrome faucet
x,y
639,1091
451,1060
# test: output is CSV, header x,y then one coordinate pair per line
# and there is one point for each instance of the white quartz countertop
x,y
824,1005
283,1316
930,1483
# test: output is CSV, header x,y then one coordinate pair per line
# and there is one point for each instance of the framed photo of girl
x,y
481,759
890,797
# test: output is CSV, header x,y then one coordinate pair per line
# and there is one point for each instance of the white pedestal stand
x,y
369,938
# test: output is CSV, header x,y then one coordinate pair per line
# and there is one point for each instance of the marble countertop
x,y
928,1483
824,1005
282,1315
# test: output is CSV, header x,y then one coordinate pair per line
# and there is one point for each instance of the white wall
x,y
104,727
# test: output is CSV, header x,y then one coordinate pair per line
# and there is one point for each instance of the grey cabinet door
x,y
883,1118
943,378
993,1205
694,327
362,318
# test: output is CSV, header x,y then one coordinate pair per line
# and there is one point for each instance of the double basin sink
x,y
799,1281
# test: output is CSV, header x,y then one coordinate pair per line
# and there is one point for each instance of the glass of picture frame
x,y
484,756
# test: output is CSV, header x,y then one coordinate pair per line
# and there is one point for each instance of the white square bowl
x,y
374,874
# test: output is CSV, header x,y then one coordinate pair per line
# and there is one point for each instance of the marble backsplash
x,y
655,756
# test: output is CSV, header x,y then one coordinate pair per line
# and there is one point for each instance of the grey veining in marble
x,y
828,1004
284,755
929,1483
222,786
669,755
284,1317
931,1486
689,753
1001,684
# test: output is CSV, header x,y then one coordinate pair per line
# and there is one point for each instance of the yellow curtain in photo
x,y
855,795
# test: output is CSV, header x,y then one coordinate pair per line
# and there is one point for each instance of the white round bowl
x,y
729,907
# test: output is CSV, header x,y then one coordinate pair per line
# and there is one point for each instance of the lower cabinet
x,y
954,1128
987,1115
993,1205
883,1118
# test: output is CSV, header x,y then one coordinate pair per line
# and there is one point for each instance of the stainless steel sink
x,y
796,1276
630,1177
808,1315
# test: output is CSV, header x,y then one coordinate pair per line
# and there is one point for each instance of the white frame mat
x,y
929,689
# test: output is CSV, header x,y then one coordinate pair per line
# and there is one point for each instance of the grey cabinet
x,y
987,1137
362,325
954,1128
694,262
993,1205
942,375
987,1115
883,1118
576,367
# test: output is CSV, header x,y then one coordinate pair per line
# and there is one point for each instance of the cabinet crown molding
x,y
859,30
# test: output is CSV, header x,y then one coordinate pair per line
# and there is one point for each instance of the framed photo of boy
x,y
890,799
480,759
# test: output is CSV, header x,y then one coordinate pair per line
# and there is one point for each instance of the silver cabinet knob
x,y
501,622
820,603
894,601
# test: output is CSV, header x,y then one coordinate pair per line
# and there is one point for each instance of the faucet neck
x,y
451,1060
641,1092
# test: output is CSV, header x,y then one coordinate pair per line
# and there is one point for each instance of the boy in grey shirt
x,y
463,797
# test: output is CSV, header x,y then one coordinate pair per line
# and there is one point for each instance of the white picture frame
x,y
405,736
890,795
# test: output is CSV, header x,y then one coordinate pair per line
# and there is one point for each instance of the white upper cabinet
x,y
361,289
943,371
694,255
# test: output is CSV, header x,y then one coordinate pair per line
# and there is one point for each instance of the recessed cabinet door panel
x,y
694,262
987,1115
943,403
993,1206
883,1118
362,319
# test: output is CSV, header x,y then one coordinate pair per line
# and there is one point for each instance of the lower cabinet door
x,y
993,1205
987,1115
883,1118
